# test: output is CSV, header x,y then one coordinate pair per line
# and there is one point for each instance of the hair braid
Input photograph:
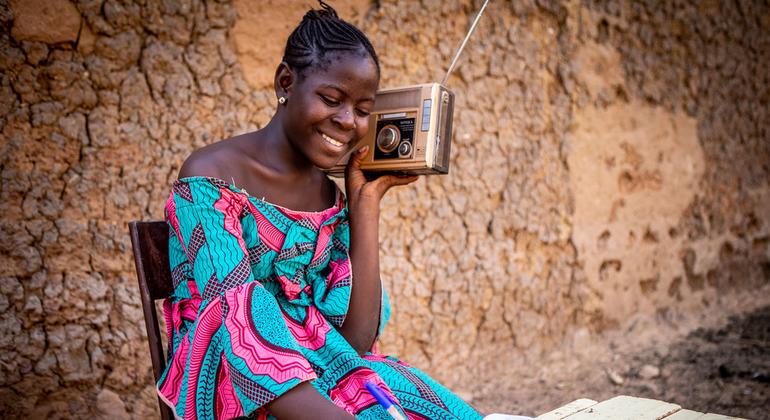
x,y
320,33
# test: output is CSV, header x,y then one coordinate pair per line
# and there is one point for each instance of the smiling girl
x,y
277,297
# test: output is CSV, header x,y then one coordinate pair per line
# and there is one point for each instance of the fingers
x,y
354,177
386,182
356,181
357,157
401,179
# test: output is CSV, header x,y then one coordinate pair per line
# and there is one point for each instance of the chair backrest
x,y
150,244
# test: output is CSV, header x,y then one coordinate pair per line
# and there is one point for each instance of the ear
x,y
285,79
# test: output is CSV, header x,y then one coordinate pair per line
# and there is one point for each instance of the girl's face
x,y
327,110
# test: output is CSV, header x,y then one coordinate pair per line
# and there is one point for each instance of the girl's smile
x,y
333,142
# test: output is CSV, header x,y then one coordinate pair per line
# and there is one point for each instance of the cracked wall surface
x,y
611,161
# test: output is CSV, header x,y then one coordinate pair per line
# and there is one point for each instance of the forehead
x,y
355,73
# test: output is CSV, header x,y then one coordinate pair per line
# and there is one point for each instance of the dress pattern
x,y
259,291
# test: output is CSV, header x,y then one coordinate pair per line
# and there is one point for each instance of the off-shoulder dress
x,y
259,291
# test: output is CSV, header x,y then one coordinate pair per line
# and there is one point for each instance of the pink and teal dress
x,y
259,292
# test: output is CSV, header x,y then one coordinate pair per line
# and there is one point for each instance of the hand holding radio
x,y
364,194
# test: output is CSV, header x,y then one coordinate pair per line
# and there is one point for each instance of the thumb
x,y
354,177
358,156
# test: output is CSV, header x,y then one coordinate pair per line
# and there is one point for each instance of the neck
x,y
278,152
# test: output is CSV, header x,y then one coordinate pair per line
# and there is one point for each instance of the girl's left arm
x,y
363,317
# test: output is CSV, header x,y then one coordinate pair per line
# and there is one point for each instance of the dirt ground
x,y
721,370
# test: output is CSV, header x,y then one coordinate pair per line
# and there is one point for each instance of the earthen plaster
x,y
610,163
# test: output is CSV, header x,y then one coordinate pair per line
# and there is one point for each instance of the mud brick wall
x,y
610,163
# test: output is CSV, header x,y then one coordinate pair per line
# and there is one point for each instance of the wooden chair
x,y
150,244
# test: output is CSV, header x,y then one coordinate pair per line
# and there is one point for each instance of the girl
x,y
277,298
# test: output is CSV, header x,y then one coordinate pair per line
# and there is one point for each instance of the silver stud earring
x,y
282,100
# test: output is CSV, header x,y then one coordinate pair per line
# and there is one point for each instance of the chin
x,y
325,163
330,161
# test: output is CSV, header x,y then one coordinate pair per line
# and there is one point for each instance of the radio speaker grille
x,y
397,100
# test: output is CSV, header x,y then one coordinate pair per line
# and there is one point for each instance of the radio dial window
x,y
388,138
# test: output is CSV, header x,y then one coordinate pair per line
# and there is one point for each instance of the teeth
x,y
331,140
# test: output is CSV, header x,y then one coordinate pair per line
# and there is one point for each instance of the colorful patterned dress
x,y
259,291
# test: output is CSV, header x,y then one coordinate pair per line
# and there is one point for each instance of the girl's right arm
x,y
305,402
363,317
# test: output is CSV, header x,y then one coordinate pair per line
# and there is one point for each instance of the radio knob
x,y
405,149
388,138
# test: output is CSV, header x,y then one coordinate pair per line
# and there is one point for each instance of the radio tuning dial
x,y
388,138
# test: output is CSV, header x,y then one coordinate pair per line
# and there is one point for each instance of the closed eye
x,y
329,100
362,112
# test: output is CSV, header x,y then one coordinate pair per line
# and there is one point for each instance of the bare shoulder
x,y
216,160
202,162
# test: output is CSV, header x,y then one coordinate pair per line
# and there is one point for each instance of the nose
x,y
345,119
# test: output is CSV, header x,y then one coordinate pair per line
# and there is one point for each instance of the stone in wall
x,y
48,21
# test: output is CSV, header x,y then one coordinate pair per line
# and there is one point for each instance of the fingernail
x,y
363,150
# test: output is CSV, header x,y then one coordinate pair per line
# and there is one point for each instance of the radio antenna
x,y
465,41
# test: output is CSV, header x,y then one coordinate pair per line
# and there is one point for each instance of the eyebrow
x,y
342,91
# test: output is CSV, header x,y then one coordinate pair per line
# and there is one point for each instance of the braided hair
x,y
321,34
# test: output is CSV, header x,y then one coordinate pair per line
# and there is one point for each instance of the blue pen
x,y
384,401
